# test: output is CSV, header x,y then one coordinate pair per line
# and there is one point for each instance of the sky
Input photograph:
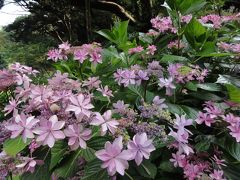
x,y
9,13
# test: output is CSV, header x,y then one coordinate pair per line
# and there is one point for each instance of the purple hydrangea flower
x,y
50,131
81,106
106,122
77,136
23,126
114,159
140,147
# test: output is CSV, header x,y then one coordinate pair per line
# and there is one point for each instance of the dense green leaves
x,y
69,163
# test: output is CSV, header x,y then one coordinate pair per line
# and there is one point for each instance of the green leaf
x,y
136,90
147,169
57,153
172,58
195,34
234,93
166,166
98,142
182,109
68,165
226,79
210,86
202,146
190,112
230,145
191,86
88,154
205,96
13,146
190,6
93,171
203,142
107,34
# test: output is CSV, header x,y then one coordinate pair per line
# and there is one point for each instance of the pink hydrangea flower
x,y
140,147
12,107
23,125
137,49
80,55
114,159
50,131
192,171
159,102
128,77
105,121
178,160
235,131
151,49
81,105
56,54
77,136
206,118
41,94
213,19
163,24
92,82
217,175
29,164
219,162
168,83
64,46
106,92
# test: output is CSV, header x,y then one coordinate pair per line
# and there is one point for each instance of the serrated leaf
x,y
98,142
182,109
136,90
68,165
93,171
147,169
57,153
13,146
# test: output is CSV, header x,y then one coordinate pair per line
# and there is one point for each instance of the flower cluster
x,y
134,75
183,74
176,45
209,116
115,159
229,47
193,163
165,24
234,125
93,52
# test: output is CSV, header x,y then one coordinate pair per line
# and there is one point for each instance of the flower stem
x,y
146,169
128,175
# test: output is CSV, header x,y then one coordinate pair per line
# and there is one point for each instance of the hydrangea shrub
x,y
164,104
